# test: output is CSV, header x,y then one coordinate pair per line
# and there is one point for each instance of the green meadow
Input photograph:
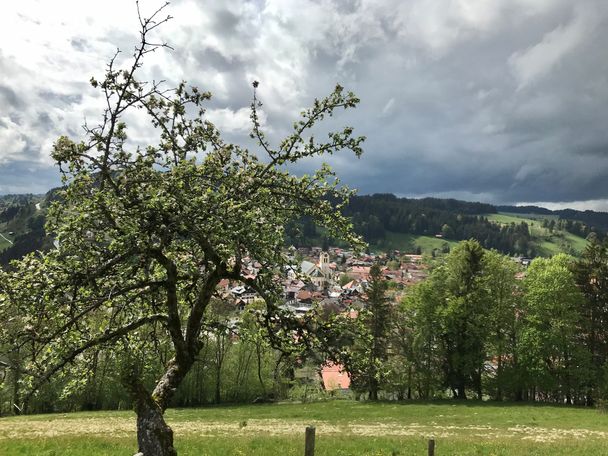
x,y
549,243
408,243
343,427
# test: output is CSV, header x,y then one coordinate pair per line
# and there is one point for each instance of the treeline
x,y
372,216
235,365
456,220
580,221
571,226
482,327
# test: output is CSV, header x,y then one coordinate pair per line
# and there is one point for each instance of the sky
x,y
500,101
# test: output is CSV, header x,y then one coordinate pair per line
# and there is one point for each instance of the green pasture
x,y
550,243
343,427
408,243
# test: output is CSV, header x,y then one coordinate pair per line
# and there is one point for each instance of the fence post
x,y
309,443
431,447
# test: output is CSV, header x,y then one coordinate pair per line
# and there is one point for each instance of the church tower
x,y
324,263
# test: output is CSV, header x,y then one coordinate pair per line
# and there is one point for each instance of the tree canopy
x,y
145,234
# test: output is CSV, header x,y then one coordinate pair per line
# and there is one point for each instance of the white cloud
x,y
229,121
12,143
600,205
533,63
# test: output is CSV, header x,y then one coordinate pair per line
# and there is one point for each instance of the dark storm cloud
x,y
466,122
502,101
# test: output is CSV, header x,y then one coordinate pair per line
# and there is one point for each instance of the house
x,y
334,377
245,294
359,272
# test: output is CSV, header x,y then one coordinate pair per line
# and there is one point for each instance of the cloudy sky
x,y
503,101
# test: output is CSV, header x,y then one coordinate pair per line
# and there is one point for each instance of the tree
x,y
548,338
591,275
420,310
366,355
451,311
503,298
463,318
146,234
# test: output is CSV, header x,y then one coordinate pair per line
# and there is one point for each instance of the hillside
x,y
547,240
596,221
427,225
22,220
431,224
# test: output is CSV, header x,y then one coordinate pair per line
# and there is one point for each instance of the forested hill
x,y
596,221
381,219
375,215
431,224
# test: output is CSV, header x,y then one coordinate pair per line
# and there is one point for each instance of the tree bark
x,y
461,391
154,436
373,389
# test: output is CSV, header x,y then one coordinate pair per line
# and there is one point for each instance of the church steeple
x,y
324,263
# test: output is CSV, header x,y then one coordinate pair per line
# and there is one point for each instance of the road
x,y
6,239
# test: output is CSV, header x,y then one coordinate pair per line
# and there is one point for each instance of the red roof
x,y
304,295
334,377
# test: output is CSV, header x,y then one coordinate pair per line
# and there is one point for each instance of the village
x,y
334,280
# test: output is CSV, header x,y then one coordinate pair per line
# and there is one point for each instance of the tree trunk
x,y
409,382
461,391
259,359
499,379
16,393
373,389
154,436
218,390
589,402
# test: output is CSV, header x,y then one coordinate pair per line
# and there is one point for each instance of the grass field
x,y
5,241
549,243
343,428
408,243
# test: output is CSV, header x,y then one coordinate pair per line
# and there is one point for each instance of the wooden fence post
x,y
431,447
309,443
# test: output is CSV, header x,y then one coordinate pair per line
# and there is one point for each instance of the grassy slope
x,y
408,243
343,428
3,243
549,243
